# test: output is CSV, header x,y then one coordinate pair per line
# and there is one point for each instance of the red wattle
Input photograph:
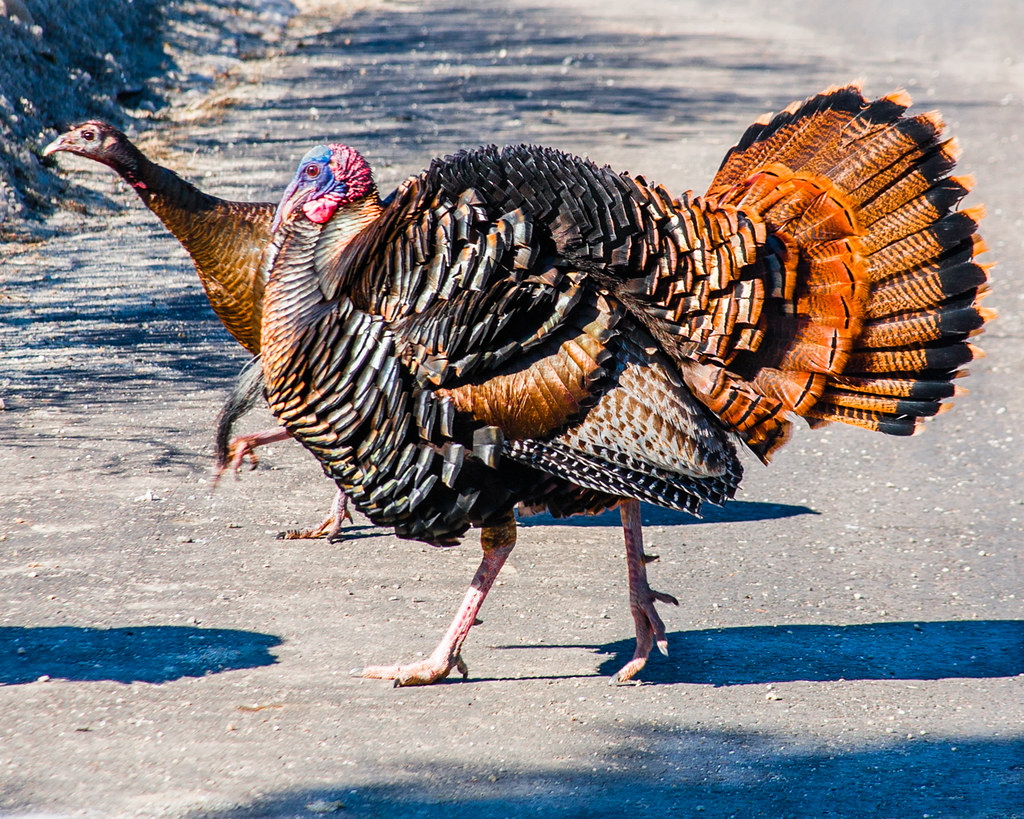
x,y
322,209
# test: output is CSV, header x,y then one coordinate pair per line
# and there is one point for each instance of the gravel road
x,y
850,635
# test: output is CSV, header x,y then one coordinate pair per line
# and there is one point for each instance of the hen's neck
x,y
225,239
164,192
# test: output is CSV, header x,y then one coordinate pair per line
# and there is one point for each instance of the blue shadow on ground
x,y
872,651
153,654
654,770
732,512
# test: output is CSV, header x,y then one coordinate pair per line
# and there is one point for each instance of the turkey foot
x,y
650,630
434,669
497,540
331,526
244,446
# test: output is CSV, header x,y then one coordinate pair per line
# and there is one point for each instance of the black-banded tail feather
x,y
884,275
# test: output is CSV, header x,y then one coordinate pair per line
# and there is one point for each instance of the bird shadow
x,y
153,654
732,512
750,655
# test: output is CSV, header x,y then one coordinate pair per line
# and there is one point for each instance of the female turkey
x,y
519,325
226,241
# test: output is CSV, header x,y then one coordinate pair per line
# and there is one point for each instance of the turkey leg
x,y
331,526
650,629
497,540
245,446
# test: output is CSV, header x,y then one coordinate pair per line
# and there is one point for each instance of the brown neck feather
x,y
225,239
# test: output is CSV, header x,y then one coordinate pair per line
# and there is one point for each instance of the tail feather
x,y
880,404
924,179
866,419
804,131
911,217
878,290
901,162
897,387
895,361
247,390
922,327
925,288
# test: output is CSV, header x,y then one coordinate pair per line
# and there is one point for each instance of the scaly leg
x,y
497,540
650,630
244,446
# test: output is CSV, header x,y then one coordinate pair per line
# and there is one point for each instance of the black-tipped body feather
x,y
518,318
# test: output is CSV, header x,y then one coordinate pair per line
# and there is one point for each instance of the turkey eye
x,y
88,136
312,171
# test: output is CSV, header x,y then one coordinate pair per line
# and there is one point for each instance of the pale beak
x,y
292,199
53,147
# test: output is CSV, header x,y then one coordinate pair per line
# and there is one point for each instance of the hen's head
x,y
329,176
95,140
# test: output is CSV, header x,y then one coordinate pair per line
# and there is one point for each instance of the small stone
x,y
325,806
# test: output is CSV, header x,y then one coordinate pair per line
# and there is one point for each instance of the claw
x,y
325,528
244,446
624,676
426,672
239,449
329,528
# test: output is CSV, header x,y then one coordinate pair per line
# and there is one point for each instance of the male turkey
x,y
519,325
226,241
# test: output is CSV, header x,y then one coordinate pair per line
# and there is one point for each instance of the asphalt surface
x,y
850,635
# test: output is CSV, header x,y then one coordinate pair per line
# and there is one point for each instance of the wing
x,y
486,306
